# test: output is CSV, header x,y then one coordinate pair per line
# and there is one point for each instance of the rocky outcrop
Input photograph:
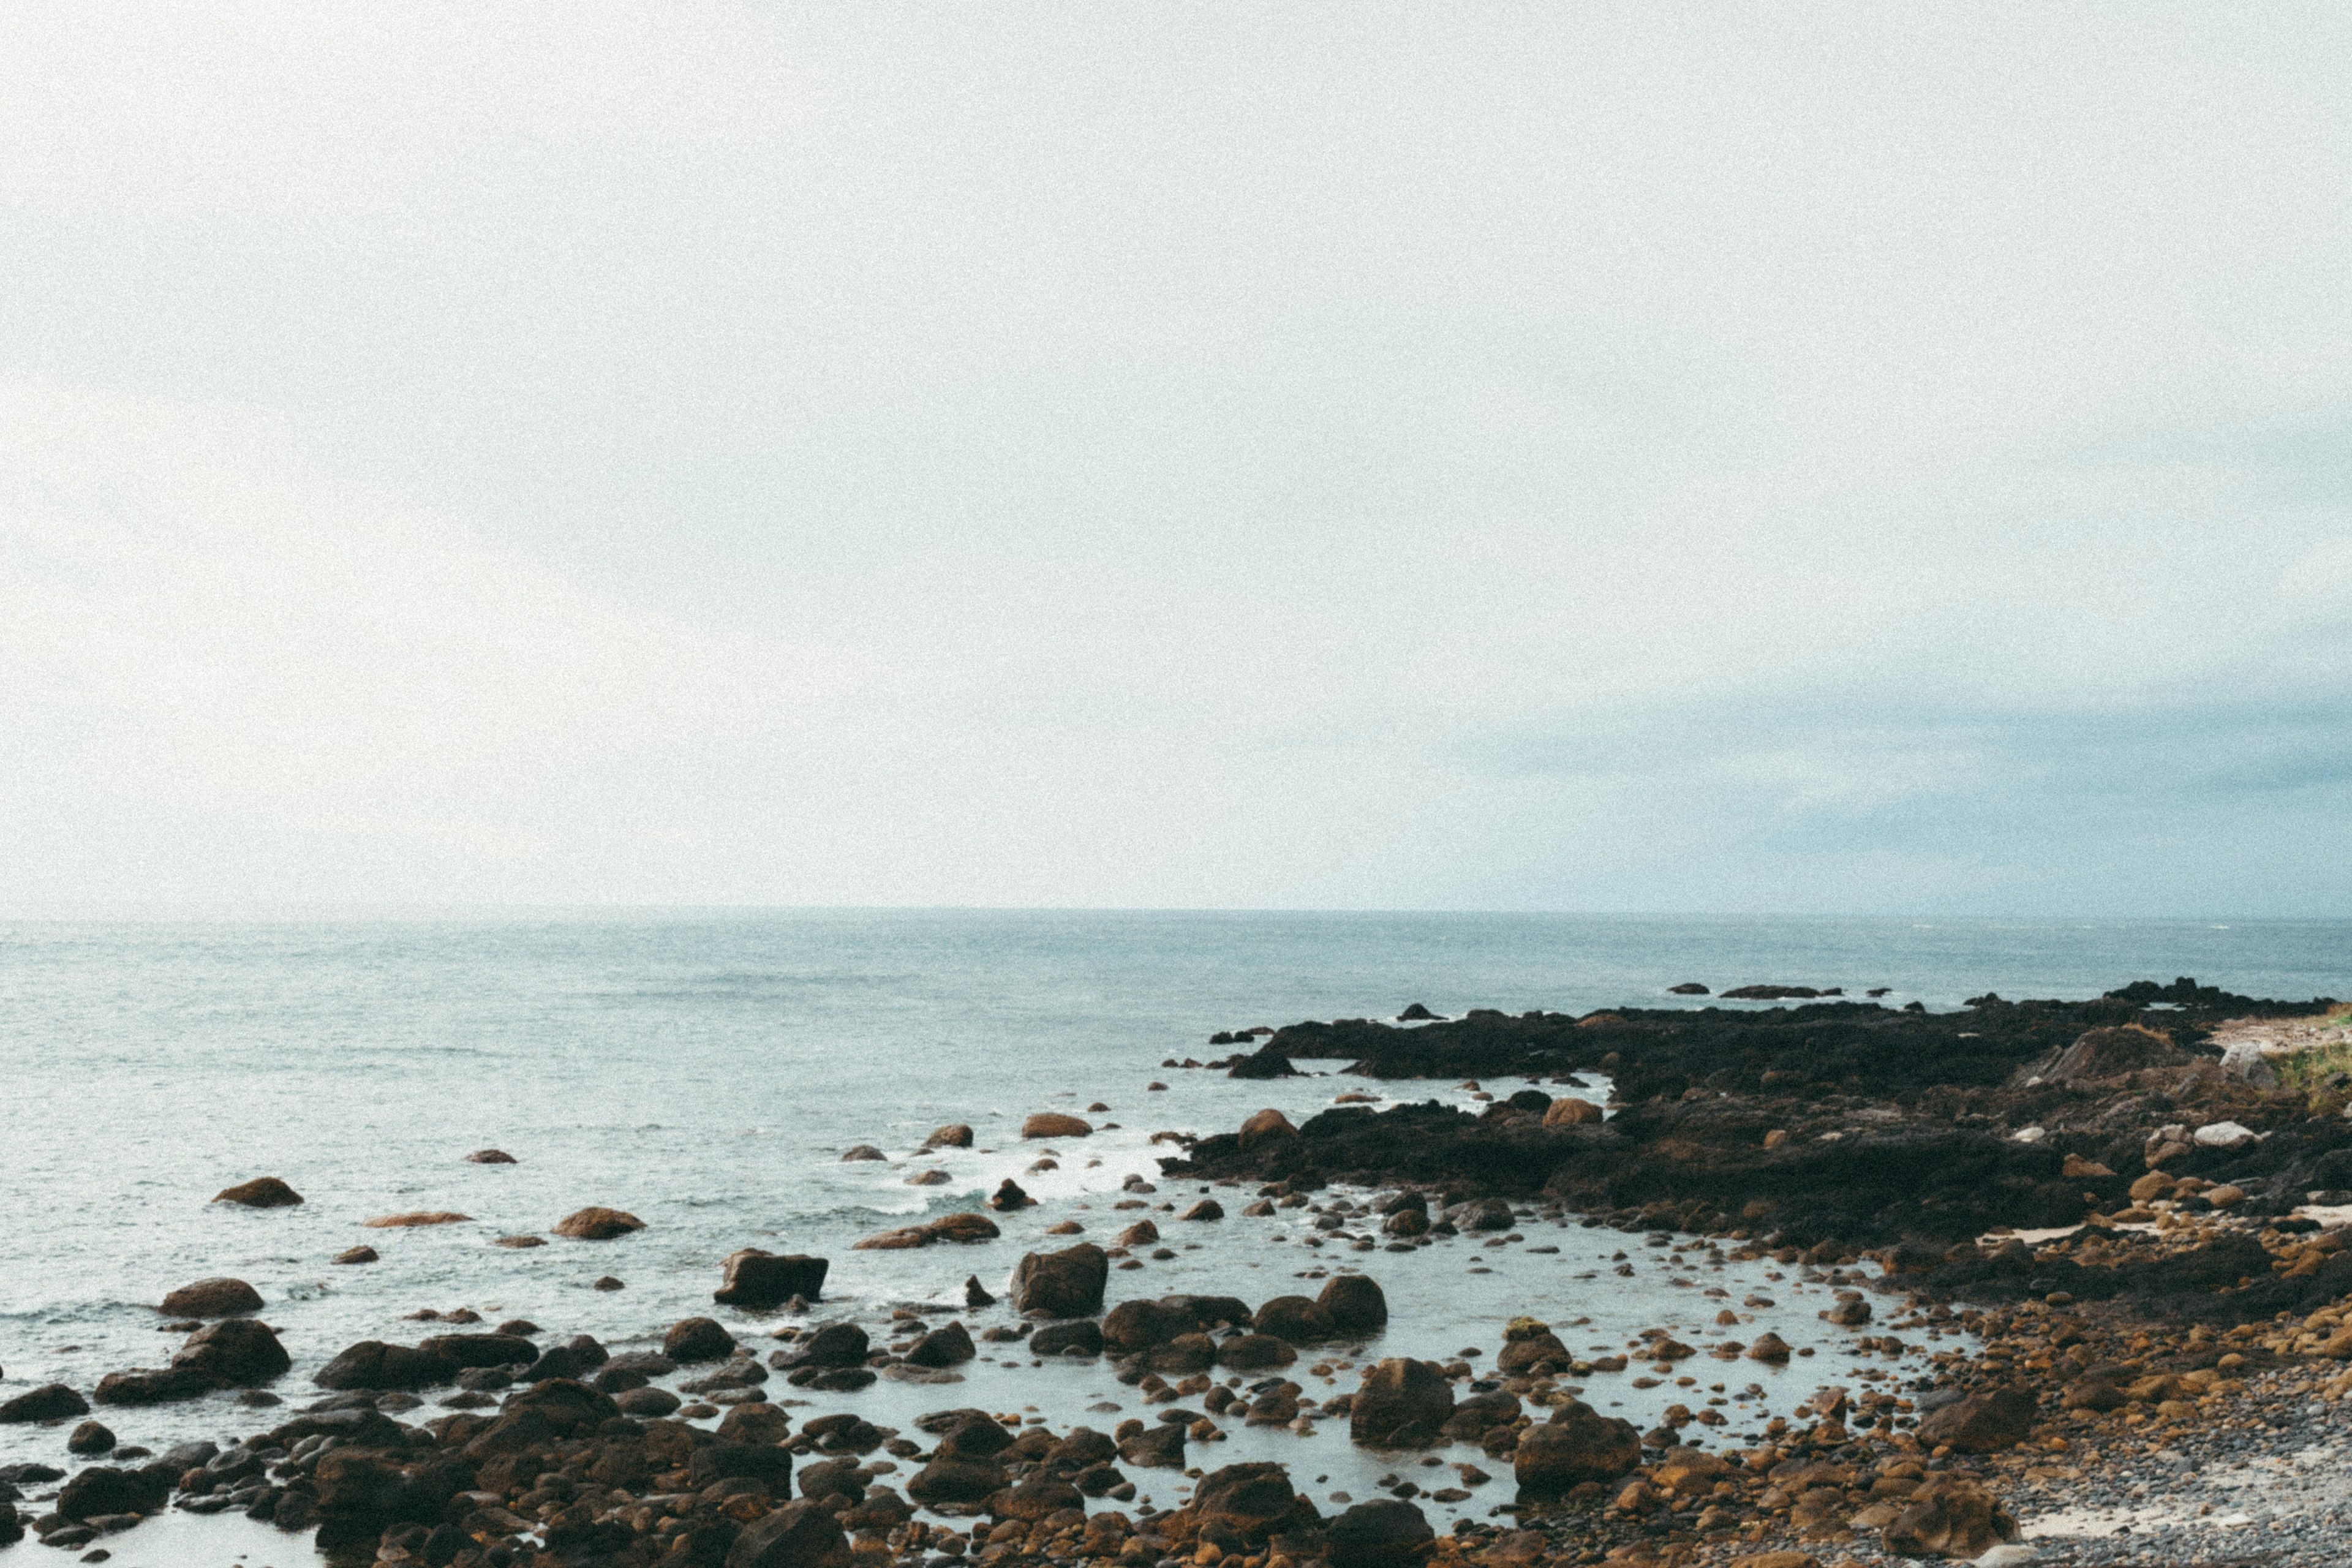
x,y
1066,1284
763,1281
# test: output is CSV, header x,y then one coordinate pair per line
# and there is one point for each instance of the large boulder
x,y
1255,1353
1950,1516
1355,1304
222,1298
481,1350
372,1364
1253,1501
262,1193
1385,1532
1083,1336
1993,1421
956,1480
798,1535
1133,1326
836,1344
1066,1284
1158,1447
103,1489
950,1346
1297,1318
954,1135
595,1223
1402,1403
1576,1444
763,1281
51,1401
235,1352
1054,1124
697,1339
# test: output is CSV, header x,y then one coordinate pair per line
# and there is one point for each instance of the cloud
x,y
1353,455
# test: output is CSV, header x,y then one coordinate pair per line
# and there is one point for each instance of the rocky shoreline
x,y
2093,1243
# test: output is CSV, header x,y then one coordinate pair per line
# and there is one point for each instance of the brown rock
x,y
513,1243
1950,1516
1356,1304
763,1281
489,1157
2077,1168
411,1221
1054,1124
1387,1532
1570,1112
1986,1423
798,1535
1402,1403
1207,1208
262,1193
1142,1232
1066,1284
356,1255
1255,1353
1576,1444
1769,1346
220,1298
597,1223
1268,1124
954,1135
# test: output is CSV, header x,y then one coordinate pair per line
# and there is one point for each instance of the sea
x,y
707,1070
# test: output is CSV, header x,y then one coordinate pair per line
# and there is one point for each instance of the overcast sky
x,y
1649,456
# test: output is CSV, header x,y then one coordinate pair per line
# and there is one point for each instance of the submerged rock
x,y
262,1193
595,1223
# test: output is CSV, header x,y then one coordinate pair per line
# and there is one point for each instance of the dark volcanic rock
x,y
103,1489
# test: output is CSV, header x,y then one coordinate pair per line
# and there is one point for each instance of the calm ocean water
x,y
706,1072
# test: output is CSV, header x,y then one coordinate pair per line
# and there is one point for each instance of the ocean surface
x,y
707,1071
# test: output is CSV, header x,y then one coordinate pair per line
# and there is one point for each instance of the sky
x,y
1861,459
